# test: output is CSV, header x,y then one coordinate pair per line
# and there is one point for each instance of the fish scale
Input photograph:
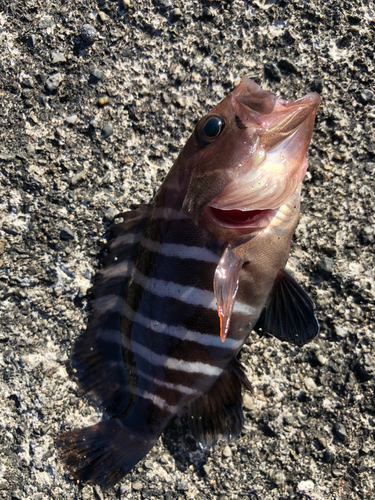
x,y
185,280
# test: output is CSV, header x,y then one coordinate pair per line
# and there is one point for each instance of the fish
x,y
187,277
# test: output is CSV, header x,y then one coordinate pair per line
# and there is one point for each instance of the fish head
x,y
245,159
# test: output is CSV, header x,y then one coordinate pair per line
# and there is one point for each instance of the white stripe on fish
x,y
169,362
175,387
180,251
187,294
153,398
179,332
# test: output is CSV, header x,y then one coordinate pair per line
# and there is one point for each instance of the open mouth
x,y
247,220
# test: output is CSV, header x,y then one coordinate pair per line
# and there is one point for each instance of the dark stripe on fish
x,y
185,271
189,351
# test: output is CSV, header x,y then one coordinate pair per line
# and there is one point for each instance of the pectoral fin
x,y
289,312
226,280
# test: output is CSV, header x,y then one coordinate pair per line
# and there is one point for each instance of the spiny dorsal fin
x,y
97,353
217,414
289,312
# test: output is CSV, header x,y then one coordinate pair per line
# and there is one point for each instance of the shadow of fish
x,y
188,277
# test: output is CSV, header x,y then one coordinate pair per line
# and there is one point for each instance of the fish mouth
x,y
271,175
244,221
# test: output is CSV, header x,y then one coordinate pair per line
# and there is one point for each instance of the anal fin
x,y
289,312
218,414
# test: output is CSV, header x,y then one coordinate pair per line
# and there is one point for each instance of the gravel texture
x,y
68,164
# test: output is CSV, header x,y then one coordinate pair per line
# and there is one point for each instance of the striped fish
x,y
186,279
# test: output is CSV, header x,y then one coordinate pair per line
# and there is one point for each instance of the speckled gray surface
x,y
68,164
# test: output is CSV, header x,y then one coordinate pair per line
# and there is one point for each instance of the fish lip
x,y
242,221
281,115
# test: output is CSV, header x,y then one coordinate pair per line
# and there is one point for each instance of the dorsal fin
x,y
289,312
97,353
217,414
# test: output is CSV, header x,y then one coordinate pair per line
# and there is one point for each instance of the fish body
x,y
188,277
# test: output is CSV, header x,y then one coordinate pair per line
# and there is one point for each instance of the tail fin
x,y
103,453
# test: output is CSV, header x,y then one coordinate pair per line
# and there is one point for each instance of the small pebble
x,y
227,452
367,95
368,230
306,486
137,486
96,75
328,457
27,84
125,488
46,22
7,156
78,177
181,101
368,234
248,402
95,123
183,486
207,469
325,267
317,86
103,100
340,331
103,16
337,473
370,167
60,132
10,230
107,130
287,66
164,459
89,33
66,234
149,464
310,384
322,359
365,448
58,57
72,119
31,41
288,419
279,478
53,82
340,432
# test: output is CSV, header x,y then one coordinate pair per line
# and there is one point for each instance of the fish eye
x,y
209,129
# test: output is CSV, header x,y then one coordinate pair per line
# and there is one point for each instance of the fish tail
x,y
103,453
